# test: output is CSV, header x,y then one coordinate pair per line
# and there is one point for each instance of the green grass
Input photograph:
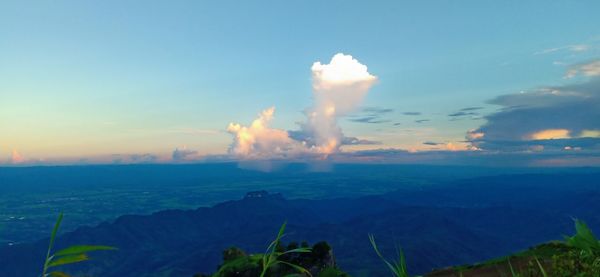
x,y
577,255
271,256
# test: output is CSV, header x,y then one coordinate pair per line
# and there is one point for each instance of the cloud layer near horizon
x,y
561,118
338,89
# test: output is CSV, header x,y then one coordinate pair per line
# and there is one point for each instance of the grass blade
x,y
398,268
512,270
51,244
541,267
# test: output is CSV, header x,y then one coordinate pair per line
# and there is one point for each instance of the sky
x,y
478,82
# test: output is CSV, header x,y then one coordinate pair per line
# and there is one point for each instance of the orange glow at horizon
x,y
551,134
16,157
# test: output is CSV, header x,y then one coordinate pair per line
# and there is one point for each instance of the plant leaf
x,y
583,239
270,257
55,231
51,243
298,250
59,274
70,259
81,249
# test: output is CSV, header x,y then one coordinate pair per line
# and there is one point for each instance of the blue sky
x,y
81,80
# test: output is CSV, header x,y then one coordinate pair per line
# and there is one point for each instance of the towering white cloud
x,y
338,89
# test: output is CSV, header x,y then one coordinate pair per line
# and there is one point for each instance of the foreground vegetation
x,y
577,255
280,260
69,255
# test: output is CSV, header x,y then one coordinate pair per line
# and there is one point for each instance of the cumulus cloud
x,y
338,90
261,141
545,119
182,155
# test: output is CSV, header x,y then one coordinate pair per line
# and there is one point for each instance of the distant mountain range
x,y
458,222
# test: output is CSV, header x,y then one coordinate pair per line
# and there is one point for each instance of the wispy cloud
x,y
377,110
431,143
373,115
589,69
462,113
369,119
468,112
570,48
471,109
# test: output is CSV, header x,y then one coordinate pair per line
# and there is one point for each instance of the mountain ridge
x,y
432,229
